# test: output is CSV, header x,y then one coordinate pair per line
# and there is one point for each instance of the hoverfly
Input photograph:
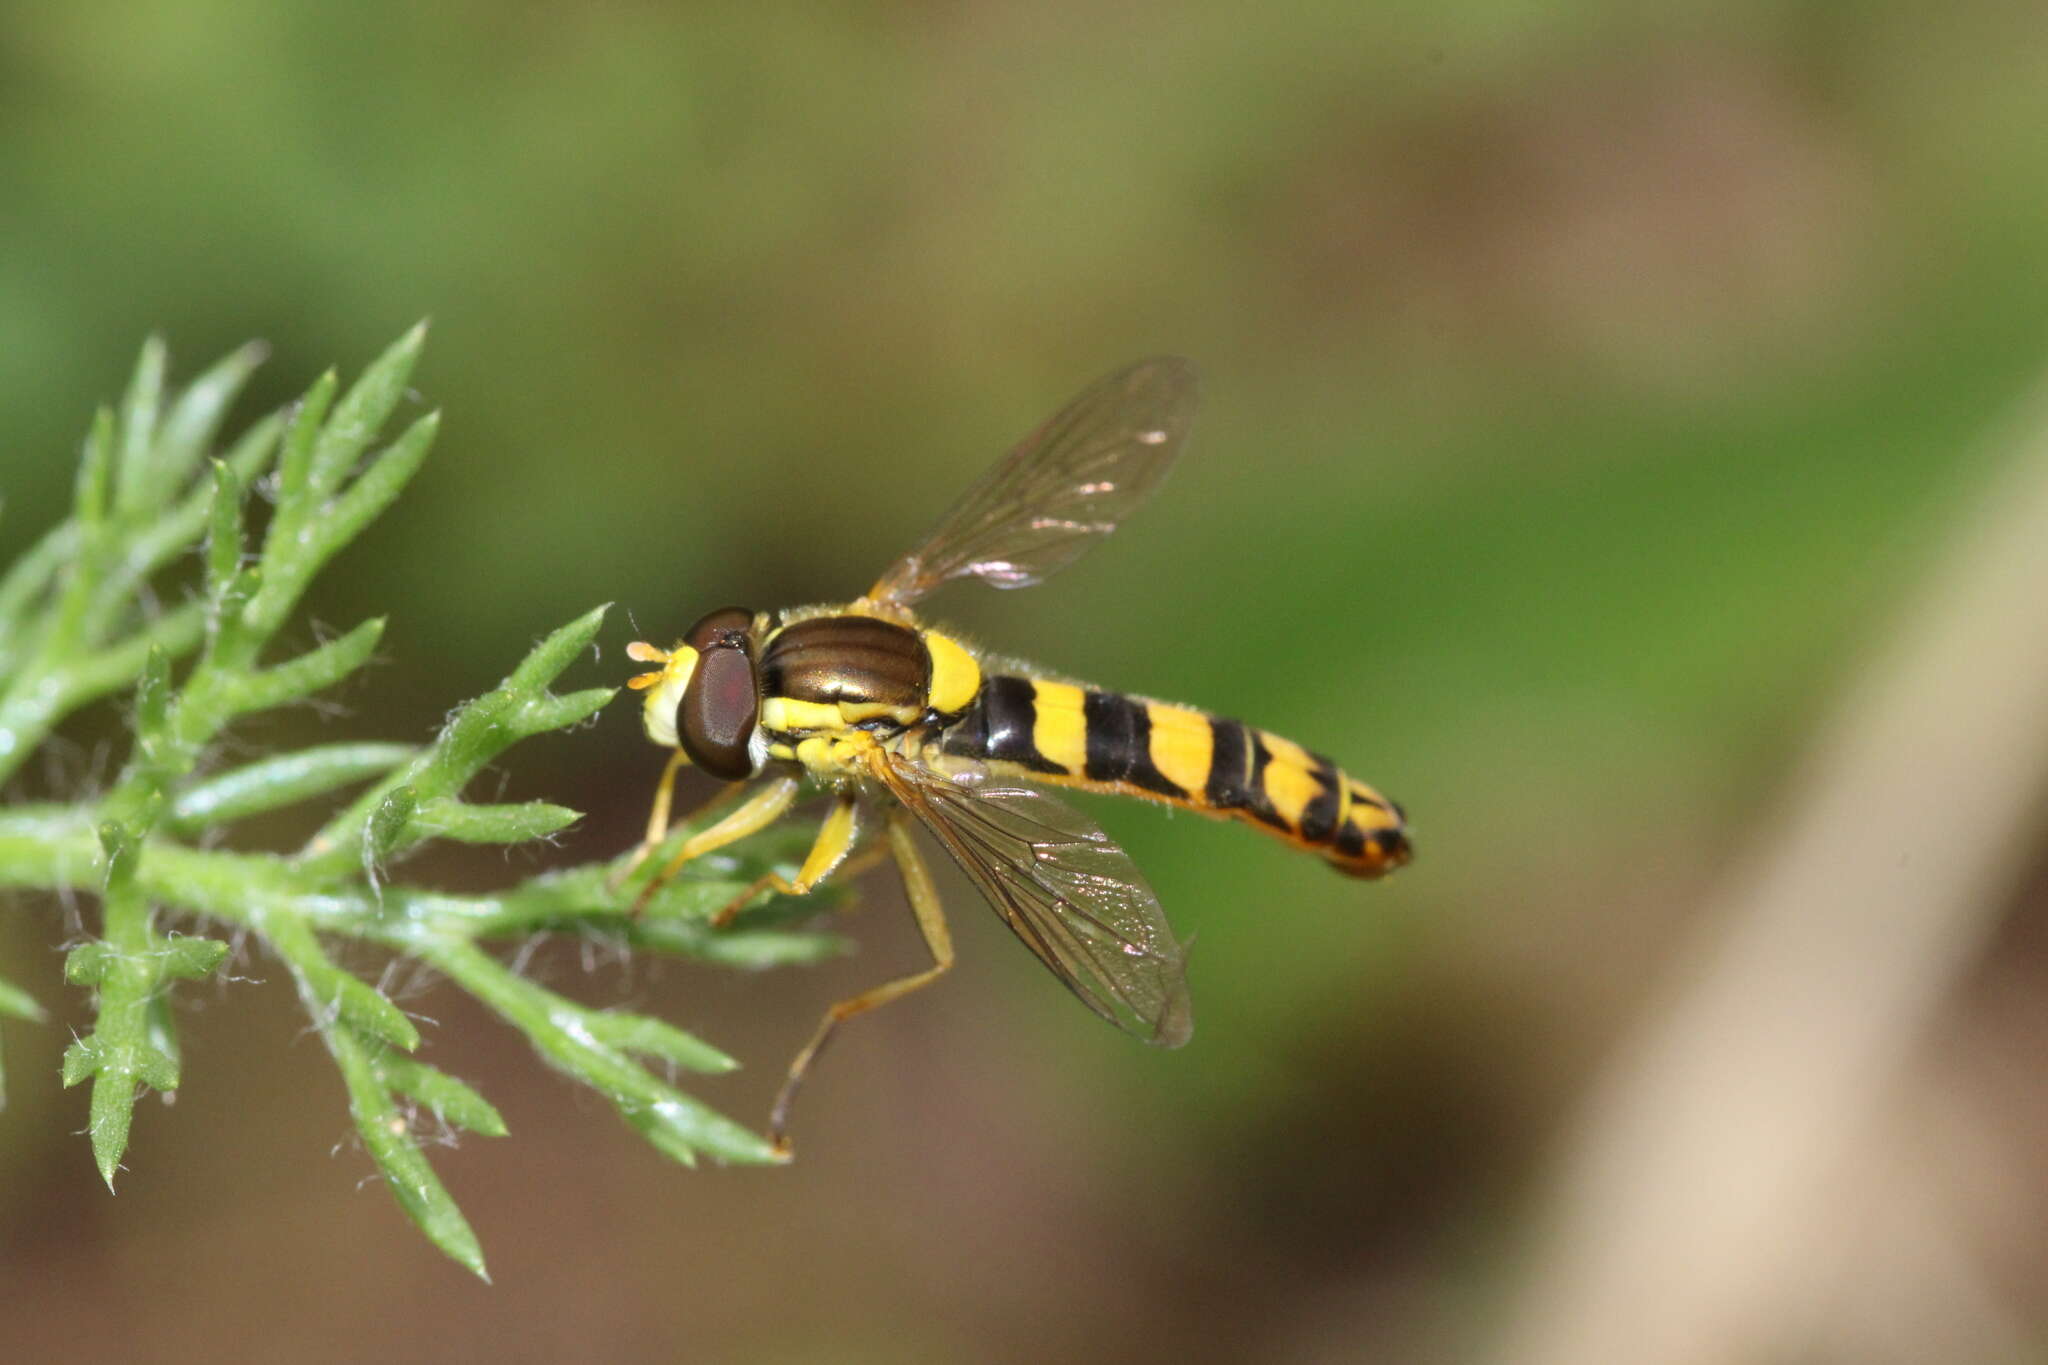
x,y
867,703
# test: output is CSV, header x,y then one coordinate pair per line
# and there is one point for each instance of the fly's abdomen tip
x,y
1371,853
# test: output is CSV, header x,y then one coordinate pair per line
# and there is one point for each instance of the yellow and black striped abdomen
x,y
1105,741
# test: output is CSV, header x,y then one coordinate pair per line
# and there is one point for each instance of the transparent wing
x,y
1065,487
1073,896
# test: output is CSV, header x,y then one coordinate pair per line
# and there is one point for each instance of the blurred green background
x,y
1584,382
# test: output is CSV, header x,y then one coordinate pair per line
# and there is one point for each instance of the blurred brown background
x,y
1590,391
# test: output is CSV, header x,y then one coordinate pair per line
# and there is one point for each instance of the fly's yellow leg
x,y
769,803
664,793
834,842
657,818
863,862
931,922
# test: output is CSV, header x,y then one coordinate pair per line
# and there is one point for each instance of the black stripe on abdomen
x,y
998,725
1237,771
1118,734
1319,817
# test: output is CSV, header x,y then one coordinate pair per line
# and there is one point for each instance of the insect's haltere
x,y
887,714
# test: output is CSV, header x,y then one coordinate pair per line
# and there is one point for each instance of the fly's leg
x,y
769,803
657,818
931,922
856,865
863,862
834,842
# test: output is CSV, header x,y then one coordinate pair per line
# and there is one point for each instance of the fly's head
x,y
705,698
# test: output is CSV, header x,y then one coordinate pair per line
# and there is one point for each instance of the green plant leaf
x,y
564,1033
314,671
16,1003
451,1100
158,506
186,433
361,414
138,429
386,1130
331,994
282,780
448,818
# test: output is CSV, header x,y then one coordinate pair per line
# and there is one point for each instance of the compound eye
x,y
728,627
723,700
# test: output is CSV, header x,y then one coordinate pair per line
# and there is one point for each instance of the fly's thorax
x,y
860,660
840,753
956,676
831,672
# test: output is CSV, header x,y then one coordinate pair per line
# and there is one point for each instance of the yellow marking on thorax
x,y
1061,733
1183,746
835,754
787,713
956,677
868,606
854,712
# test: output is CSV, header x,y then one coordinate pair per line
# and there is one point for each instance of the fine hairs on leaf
x,y
159,516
